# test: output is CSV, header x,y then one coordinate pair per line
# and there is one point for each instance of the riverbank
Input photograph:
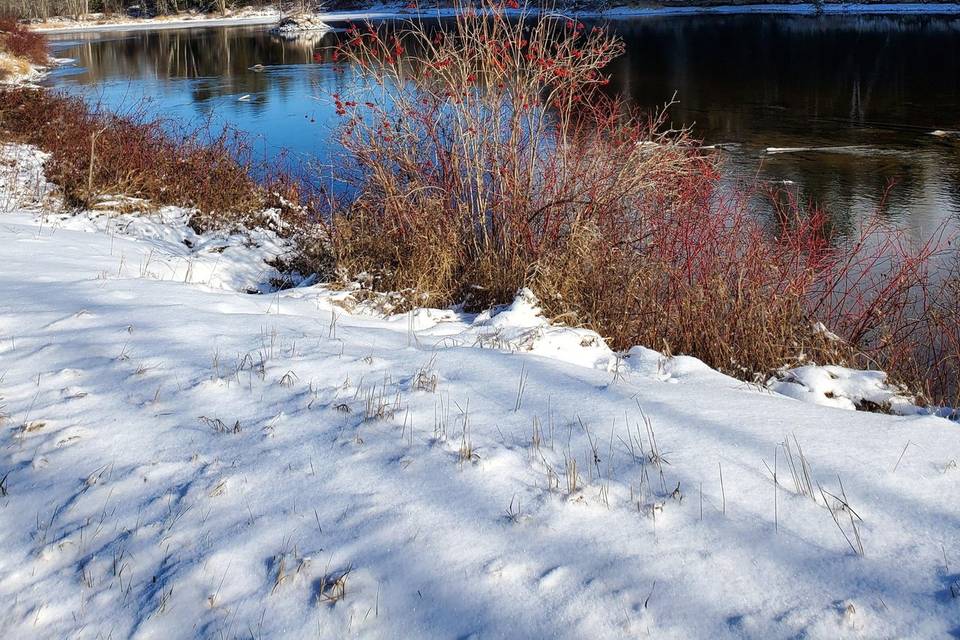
x,y
176,21
393,12
398,257
197,442
184,458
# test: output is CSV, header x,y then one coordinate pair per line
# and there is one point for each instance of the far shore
x,y
388,12
66,25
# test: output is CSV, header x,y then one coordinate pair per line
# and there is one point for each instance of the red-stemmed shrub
x,y
488,158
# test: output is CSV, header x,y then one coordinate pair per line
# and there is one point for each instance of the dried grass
x,y
95,153
12,67
17,40
491,159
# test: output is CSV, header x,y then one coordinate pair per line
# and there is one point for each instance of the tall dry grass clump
x,y
486,156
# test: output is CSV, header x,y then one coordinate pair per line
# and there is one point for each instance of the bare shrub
x,y
489,159
494,161
488,139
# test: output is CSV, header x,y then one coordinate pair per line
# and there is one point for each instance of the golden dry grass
x,y
13,68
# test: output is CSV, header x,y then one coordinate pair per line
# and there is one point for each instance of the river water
x,y
835,107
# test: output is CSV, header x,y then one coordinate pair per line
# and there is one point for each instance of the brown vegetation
x,y
22,48
96,153
491,160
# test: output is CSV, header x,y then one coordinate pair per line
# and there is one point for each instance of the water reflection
x,y
223,55
864,92
877,84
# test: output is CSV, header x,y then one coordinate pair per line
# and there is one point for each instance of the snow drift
x,y
183,459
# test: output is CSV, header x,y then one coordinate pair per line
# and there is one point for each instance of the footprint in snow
x,y
554,578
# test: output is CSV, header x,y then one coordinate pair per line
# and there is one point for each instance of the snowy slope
x,y
183,459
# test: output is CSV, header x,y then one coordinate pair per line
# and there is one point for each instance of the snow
x,y
183,459
393,12
18,71
99,22
399,11
521,326
844,388
858,150
294,25
828,8
22,183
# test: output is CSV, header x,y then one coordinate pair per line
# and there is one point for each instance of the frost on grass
x,y
182,459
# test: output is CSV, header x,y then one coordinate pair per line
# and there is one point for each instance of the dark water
x,y
847,103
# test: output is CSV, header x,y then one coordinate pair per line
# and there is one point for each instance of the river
x,y
835,107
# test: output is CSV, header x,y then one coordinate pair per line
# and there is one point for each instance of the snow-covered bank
x,y
840,8
111,23
181,459
393,12
26,73
17,71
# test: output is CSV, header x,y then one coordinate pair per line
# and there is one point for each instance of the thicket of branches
x,y
484,156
